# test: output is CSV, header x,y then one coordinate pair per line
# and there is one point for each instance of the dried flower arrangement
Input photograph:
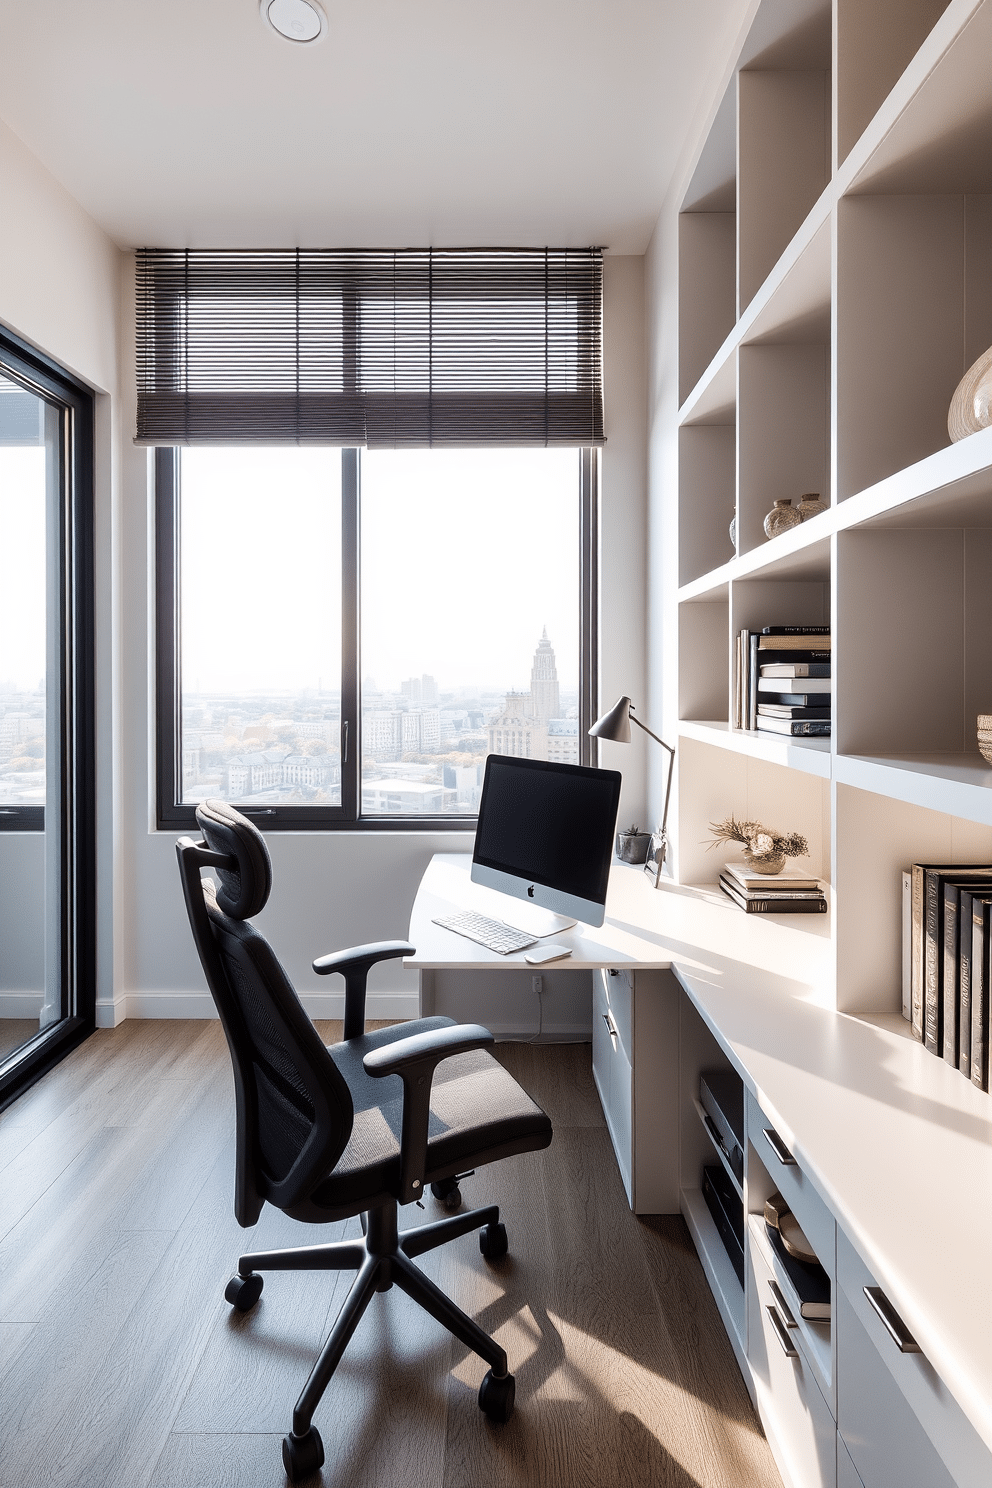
x,y
764,850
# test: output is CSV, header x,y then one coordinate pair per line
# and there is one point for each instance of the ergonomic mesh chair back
x,y
325,1133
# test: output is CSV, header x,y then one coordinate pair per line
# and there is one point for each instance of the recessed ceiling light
x,y
296,20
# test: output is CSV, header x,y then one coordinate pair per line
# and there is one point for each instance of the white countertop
x,y
898,1143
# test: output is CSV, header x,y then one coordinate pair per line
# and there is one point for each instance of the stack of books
x,y
947,962
782,681
788,892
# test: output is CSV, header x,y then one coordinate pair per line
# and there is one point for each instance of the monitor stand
x,y
534,920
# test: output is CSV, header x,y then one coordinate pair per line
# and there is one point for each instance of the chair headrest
x,y
245,889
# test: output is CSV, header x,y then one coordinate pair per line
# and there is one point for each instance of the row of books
x,y
782,680
947,962
788,892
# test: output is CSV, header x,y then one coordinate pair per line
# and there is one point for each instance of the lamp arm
x,y
654,736
671,767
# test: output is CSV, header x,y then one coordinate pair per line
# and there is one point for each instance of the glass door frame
x,y
74,697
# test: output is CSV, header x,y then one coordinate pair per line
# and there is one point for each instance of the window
x,y
345,635
47,965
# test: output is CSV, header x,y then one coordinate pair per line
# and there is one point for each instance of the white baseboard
x,y
391,1005
111,1012
21,1004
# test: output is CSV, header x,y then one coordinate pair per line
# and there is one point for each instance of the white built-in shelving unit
x,y
835,282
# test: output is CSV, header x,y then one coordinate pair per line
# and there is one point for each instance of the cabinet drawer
x,y
620,997
918,1403
613,1074
792,1183
847,1474
887,1444
794,1412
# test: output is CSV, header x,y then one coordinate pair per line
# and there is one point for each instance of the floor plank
x,y
113,1266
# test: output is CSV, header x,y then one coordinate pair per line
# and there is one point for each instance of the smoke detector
x,y
299,21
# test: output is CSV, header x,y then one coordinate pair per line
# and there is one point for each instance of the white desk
x,y
897,1143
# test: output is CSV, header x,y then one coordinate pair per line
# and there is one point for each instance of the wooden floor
x,y
122,1366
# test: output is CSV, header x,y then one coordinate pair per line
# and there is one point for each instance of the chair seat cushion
x,y
478,1113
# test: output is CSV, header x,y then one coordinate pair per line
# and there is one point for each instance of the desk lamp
x,y
615,725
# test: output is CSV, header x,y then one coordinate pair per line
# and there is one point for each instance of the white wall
x,y
60,290
344,888
66,289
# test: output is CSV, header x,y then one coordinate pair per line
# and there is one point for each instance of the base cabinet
x,y
841,1402
796,1416
635,1064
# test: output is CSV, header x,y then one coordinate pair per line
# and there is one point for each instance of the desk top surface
x,y
898,1143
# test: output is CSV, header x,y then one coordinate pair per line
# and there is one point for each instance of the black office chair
x,y
359,1127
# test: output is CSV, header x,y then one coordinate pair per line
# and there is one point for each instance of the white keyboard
x,y
492,934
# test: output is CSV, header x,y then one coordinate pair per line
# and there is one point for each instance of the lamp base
x,y
657,853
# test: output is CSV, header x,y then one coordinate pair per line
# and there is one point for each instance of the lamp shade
x,y
615,724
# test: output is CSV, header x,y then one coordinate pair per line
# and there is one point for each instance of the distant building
x,y
528,725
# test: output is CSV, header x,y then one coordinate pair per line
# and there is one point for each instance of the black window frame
x,y
44,378
172,814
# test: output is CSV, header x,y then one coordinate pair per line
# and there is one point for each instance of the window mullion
x,y
351,720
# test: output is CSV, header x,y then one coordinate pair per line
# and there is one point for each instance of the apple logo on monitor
x,y
530,891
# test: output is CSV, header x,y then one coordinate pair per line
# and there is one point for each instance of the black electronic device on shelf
x,y
728,1214
721,1095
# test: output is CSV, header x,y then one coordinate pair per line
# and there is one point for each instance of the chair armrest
x,y
354,965
362,957
415,1059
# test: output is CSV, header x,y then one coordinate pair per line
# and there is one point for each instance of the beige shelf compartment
x,y
704,657
707,498
914,310
876,838
783,430
875,40
783,133
708,249
913,641
715,783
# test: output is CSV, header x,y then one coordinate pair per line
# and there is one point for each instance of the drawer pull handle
x,y
891,1321
782,1333
779,1148
782,1305
613,1029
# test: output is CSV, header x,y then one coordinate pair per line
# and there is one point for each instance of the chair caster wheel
x,y
447,1192
496,1397
493,1242
302,1456
244,1291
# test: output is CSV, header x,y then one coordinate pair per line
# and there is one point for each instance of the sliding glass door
x,y
46,728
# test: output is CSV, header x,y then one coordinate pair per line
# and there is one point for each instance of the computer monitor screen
x,y
545,834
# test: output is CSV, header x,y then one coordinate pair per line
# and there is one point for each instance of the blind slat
x,y
400,349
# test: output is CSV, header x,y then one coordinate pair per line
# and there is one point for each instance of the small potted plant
x,y
764,850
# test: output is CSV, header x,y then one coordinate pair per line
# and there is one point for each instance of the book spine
x,y
932,964
949,989
964,982
797,728
795,630
907,945
979,996
917,952
797,669
752,684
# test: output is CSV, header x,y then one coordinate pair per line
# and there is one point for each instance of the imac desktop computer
x,y
545,837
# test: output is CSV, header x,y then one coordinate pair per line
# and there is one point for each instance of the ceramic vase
x,y
733,531
970,407
811,505
984,733
782,516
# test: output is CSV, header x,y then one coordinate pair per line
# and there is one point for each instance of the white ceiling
x,y
449,122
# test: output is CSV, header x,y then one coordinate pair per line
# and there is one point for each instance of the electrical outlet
x,y
537,984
